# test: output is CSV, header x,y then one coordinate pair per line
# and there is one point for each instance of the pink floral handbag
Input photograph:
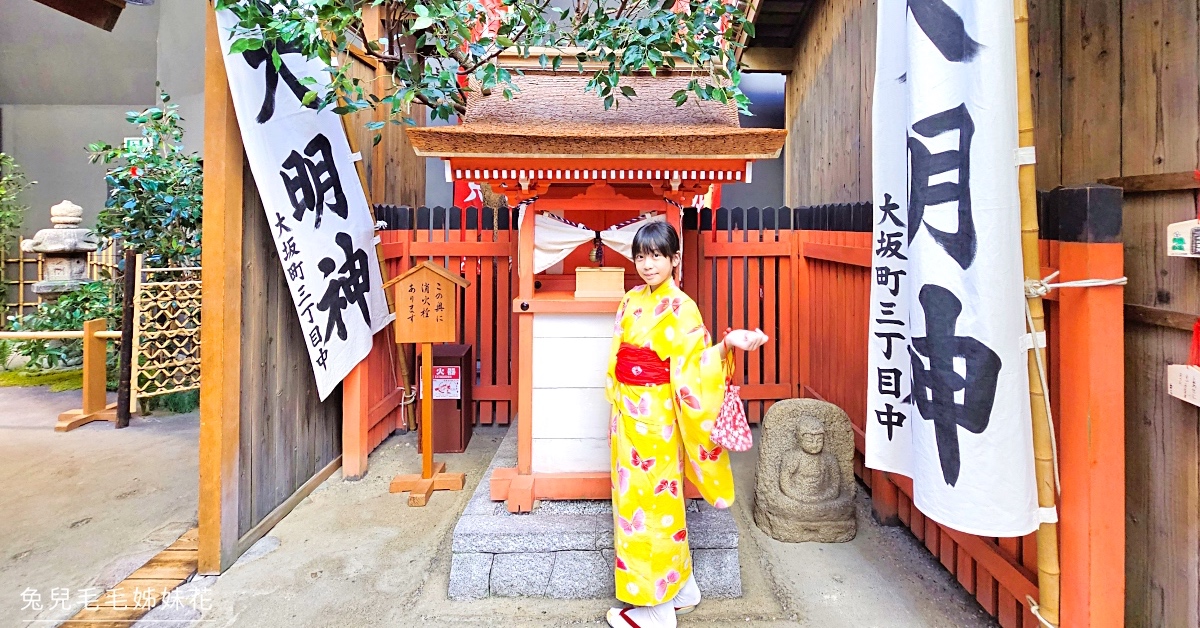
x,y
732,430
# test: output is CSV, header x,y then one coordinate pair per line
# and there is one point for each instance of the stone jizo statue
x,y
804,489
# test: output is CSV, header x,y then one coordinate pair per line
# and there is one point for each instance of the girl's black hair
x,y
656,237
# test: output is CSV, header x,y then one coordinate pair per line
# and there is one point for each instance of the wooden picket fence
x,y
19,270
802,275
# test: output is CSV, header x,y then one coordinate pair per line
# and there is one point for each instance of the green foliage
x,y
58,381
12,212
69,312
6,352
178,402
156,199
445,45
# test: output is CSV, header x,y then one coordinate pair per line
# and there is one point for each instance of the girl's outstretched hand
x,y
744,339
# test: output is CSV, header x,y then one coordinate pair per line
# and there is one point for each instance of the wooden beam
x,y
220,353
1166,182
275,516
99,13
1159,317
769,59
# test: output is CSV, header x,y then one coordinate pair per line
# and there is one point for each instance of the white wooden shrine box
x,y
570,413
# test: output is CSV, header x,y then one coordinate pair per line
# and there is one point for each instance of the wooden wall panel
x,y
1091,90
1045,66
827,117
288,435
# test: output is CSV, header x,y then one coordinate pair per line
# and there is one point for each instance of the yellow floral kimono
x,y
658,433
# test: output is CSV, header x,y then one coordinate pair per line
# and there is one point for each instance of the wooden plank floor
x,y
145,588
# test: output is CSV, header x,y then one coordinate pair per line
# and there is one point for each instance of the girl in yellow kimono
x,y
666,384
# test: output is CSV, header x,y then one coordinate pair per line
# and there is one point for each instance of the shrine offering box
x,y
599,283
453,403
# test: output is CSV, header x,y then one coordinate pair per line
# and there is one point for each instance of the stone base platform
x,y
563,549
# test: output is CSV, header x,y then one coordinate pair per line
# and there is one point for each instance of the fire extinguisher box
x,y
453,405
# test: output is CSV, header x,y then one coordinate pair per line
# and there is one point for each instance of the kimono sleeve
x,y
697,371
610,380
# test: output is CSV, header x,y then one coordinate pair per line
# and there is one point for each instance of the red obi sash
x,y
641,366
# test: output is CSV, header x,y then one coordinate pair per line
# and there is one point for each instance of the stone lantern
x,y
64,251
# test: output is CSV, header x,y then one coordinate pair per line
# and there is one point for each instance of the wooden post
x,y
220,351
356,405
1047,534
419,294
124,379
94,379
426,410
1091,400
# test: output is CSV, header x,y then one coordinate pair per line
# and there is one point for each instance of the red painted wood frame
x,y
821,282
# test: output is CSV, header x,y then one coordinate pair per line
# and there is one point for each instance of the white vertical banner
x,y
314,203
948,394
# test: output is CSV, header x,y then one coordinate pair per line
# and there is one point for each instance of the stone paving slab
x,y
563,549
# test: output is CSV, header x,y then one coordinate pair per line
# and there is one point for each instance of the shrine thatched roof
x,y
552,116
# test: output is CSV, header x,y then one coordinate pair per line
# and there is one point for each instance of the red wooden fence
x,y
807,287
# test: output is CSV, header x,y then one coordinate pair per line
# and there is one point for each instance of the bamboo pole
x,y
1047,534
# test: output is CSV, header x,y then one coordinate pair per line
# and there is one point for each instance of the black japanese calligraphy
x,y
312,181
350,286
888,308
889,211
289,249
889,245
279,224
945,29
960,244
262,56
889,279
302,296
888,337
322,356
890,418
934,388
888,381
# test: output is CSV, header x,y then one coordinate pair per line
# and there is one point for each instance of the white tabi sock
x,y
689,594
661,616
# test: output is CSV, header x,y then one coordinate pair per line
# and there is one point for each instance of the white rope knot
x,y
1035,288
1036,610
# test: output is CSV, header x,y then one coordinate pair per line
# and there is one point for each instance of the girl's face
x,y
654,267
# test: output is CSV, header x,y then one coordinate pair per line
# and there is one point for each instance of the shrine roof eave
x,y
650,142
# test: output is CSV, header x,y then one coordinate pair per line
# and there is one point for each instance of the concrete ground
x,y
85,508
354,555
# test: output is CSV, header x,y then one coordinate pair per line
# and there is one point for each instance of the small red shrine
x,y
554,144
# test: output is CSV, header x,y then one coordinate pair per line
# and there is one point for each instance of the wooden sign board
x,y
427,304
1183,382
1183,239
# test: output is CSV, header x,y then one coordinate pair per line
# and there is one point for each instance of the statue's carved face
x,y
812,443
810,434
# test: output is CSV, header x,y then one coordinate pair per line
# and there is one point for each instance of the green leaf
x,y
242,45
422,23
628,92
